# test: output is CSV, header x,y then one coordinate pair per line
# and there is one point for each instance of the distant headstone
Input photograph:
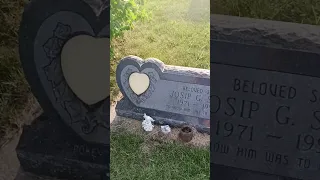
x,y
64,51
264,100
171,95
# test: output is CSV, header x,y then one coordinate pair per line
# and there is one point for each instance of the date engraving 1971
x,y
268,120
190,99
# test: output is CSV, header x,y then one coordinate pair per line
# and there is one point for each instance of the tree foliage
x,y
123,14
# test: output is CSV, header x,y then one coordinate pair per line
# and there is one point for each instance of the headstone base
x,y
220,172
127,109
22,175
48,147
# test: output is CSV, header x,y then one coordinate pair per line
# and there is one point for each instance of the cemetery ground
x,y
175,36
186,46
155,155
15,92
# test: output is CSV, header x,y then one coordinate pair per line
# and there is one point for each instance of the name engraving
x,y
84,150
269,122
190,99
181,98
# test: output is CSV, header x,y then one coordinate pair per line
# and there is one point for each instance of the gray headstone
x,y
71,139
175,95
265,100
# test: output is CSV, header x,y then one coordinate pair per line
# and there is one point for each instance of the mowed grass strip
x,y
177,33
297,11
133,157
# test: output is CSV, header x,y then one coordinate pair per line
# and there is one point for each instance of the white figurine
x,y
147,123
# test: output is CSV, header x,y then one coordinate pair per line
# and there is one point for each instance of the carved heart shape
x,y
138,90
139,83
64,53
83,61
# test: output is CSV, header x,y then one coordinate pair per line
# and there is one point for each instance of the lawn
x,y
133,157
177,33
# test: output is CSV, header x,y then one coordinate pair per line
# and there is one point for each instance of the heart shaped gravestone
x,y
64,51
171,95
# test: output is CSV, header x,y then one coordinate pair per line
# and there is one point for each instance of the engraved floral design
x,y
52,47
74,107
90,122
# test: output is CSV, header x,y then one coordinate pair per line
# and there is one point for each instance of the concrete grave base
x,y
22,175
220,172
47,147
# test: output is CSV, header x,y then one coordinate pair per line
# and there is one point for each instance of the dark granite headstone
x,y
265,101
171,95
71,139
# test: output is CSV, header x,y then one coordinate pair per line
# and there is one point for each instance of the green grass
x,y
177,33
134,158
13,87
298,11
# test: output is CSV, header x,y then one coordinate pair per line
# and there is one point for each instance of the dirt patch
x,y
9,164
121,124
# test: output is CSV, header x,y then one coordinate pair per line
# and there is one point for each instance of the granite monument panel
x,y
64,51
265,103
170,94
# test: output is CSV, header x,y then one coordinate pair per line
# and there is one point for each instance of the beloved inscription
x,y
267,122
189,99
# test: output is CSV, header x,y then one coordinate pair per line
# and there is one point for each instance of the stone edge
x,y
265,33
